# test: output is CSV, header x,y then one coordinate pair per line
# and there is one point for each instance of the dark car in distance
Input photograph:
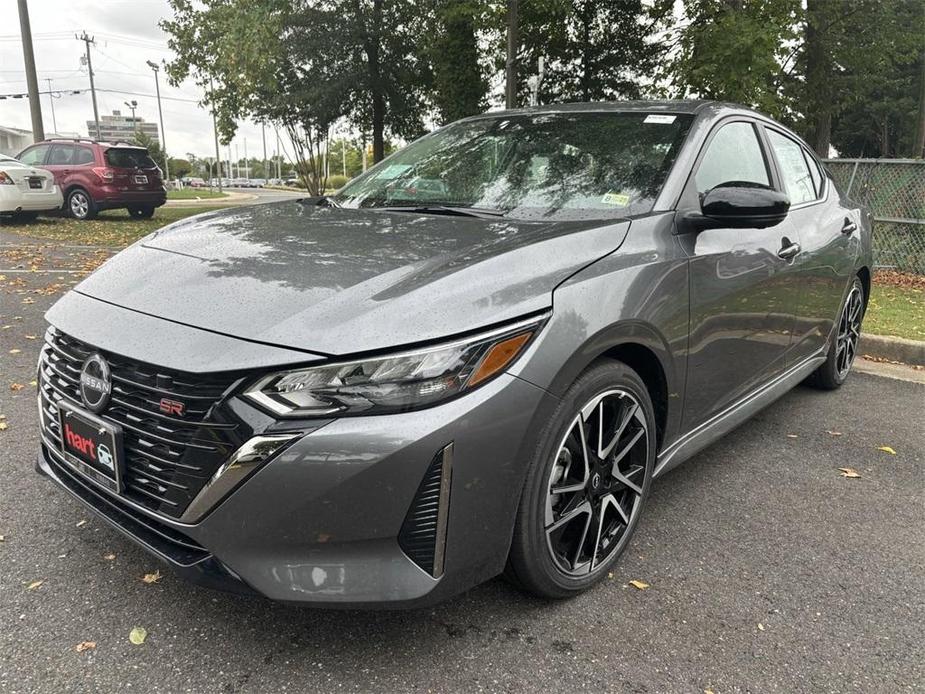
x,y
95,176
351,401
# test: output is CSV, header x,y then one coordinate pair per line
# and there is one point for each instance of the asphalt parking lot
x,y
768,570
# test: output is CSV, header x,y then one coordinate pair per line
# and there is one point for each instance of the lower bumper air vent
x,y
423,534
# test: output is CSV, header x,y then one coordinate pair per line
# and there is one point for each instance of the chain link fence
x,y
894,191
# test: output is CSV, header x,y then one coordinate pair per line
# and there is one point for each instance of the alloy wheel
x,y
595,486
80,205
849,332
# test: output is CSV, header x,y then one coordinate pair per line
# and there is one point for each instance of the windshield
x,y
540,166
125,158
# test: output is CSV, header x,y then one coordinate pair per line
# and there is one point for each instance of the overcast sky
x,y
127,35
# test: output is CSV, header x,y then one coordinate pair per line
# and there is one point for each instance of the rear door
x,y
828,236
743,294
133,169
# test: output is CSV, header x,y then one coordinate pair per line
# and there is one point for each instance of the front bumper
x,y
320,522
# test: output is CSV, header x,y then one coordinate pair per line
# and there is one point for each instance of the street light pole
x,y
51,101
160,115
35,106
133,105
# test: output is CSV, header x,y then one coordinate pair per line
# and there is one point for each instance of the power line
x,y
59,92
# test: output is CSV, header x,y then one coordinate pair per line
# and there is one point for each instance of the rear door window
x,y
84,155
798,181
126,158
34,156
733,155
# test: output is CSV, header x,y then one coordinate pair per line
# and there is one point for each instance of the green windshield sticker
x,y
393,171
618,199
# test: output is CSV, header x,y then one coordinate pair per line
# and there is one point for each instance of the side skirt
x,y
727,420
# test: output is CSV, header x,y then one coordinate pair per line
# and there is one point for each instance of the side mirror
x,y
740,204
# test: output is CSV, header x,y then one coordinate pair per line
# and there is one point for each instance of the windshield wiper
x,y
450,210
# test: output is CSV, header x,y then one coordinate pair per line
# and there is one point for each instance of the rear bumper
x,y
14,200
111,197
321,522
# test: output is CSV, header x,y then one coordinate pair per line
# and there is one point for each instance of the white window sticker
x,y
659,118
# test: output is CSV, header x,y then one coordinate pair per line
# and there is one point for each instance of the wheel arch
x,y
864,276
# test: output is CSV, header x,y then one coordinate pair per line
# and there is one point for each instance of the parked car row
x,y
82,177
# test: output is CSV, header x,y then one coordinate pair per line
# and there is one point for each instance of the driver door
x,y
744,288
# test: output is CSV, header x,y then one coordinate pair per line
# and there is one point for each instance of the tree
x,y
459,88
180,168
733,50
153,147
857,75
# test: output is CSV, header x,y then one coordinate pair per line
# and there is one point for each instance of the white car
x,y
25,191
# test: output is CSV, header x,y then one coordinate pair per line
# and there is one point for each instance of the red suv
x,y
95,176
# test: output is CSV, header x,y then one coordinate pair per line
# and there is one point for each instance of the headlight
x,y
394,383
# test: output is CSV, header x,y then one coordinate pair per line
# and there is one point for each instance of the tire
x,y
79,205
552,553
145,212
844,346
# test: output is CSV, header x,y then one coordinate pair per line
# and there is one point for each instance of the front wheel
x,y
586,485
144,212
844,347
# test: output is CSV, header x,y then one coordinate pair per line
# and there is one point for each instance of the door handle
x,y
789,251
849,227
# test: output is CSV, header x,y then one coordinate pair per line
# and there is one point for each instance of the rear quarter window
x,y
124,158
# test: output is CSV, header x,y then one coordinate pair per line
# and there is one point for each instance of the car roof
x,y
695,107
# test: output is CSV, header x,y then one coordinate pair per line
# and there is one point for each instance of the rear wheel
x,y
844,348
144,212
80,205
587,484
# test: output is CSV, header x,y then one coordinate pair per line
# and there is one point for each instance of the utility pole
x,y
279,159
133,105
247,164
263,134
160,115
96,114
513,43
218,156
51,102
35,106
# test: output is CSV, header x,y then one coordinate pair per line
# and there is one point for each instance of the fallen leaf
x,y
16,387
15,351
34,585
848,472
33,383
30,337
137,635
639,585
792,436
4,426
152,578
109,557
81,523
2,538
887,449
760,626
85,646
833,433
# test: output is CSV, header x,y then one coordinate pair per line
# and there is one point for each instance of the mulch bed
x,y
895,278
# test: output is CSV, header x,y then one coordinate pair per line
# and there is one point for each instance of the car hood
x,y
335,281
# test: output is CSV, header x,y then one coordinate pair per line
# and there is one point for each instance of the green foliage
x,y
154,148
337,181
459,87
732,50
180,168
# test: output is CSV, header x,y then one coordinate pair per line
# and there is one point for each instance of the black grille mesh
x,y
168,458
423,533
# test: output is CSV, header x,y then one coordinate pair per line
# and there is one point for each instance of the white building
x,y
14,140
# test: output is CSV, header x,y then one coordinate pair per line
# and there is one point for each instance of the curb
x,y
893,349
229,199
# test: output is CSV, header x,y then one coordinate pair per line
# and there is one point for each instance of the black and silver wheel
x,y
587,485
80,205
844,346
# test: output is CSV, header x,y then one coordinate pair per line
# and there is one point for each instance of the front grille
x,y
168,458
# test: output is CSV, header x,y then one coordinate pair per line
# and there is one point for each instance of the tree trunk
x,y
513,46
375,83
919,148
818,98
